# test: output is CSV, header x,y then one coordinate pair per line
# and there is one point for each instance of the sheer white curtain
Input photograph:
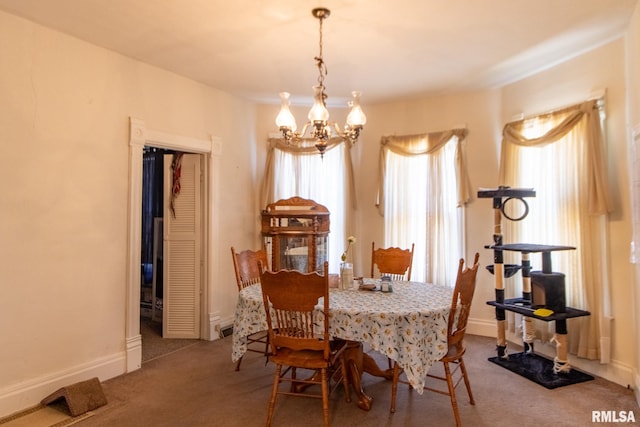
x,y
422,191
561,156
328,180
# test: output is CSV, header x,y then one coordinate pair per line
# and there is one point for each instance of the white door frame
x,y
139,136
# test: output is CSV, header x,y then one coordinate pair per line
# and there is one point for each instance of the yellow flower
x,y
350,240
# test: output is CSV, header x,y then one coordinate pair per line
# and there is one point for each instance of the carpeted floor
x,y
153,345
198,386
53,415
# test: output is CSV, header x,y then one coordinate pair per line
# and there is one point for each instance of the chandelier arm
x,y
336,127
350,132
303,132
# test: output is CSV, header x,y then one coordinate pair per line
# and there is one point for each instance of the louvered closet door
x,y
182,249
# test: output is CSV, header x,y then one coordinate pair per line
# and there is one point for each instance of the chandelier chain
x,y
322,67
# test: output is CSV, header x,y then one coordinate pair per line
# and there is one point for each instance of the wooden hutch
x,y
295,234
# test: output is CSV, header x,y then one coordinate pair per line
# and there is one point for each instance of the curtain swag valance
x,y
428,143
307,145
514,134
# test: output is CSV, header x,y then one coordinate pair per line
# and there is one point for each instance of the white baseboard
x,y
483,328
134,353
27,394
214,326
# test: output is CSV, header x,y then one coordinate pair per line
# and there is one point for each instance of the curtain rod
x,y
595,95
462,126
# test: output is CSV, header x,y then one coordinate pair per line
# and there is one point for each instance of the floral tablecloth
x,y
409,325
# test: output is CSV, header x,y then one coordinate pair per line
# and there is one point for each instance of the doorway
x,y
172,240
209,151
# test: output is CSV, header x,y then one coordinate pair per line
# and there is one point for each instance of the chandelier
x,y
318,125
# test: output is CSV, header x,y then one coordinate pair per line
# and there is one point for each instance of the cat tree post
x,y
501,196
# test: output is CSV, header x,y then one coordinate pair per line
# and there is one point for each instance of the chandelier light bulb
x,y
356,116
318,112
285,119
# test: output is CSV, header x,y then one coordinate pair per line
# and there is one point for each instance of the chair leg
x,y
274,393
452,393
394,386
266,351
463,369
238,364
325,396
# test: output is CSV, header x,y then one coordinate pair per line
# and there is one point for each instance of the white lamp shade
x,y
356,116
318,111
285,118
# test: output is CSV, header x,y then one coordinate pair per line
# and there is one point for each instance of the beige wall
x,y
64,120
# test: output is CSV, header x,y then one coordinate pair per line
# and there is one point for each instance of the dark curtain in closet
x,y
152,195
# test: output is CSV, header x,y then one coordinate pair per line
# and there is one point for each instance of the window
x,y
423,191
561,156
300,171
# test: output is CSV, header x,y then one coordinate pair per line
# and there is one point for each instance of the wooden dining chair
x,y
297,341
246,265
457,326
394,262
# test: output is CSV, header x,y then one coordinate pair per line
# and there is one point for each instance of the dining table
x,y
408,325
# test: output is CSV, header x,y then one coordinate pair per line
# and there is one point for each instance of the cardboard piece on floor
x,y
80,397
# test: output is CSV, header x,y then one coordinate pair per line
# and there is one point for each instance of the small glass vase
x,y
346,275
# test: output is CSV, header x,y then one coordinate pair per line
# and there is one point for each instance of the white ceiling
x,y
385,48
